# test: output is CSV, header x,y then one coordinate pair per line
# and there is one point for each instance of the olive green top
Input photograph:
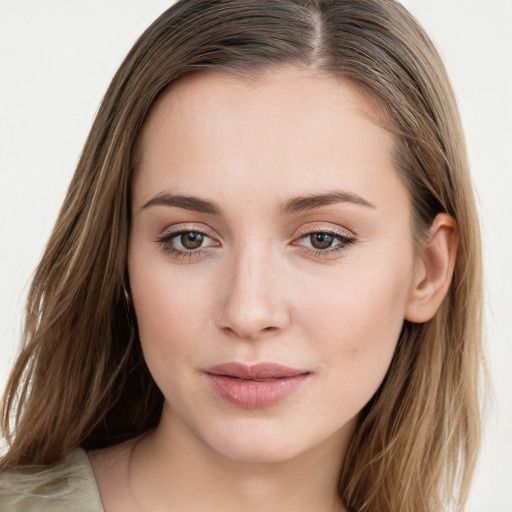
x,y
65,487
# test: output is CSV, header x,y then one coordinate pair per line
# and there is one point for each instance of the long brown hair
x,y
80,378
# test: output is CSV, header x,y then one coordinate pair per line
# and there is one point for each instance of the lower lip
x,y
252,394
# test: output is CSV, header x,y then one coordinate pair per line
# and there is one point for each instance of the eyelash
x,y
166,239
344,241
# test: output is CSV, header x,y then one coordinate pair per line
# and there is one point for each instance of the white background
x,y
56,60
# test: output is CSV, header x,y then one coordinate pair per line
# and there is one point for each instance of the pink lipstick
x,y
254,386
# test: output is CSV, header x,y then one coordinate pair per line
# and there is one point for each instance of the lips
x,y
254,386
254,372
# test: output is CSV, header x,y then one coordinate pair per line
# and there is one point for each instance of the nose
x,y
254,300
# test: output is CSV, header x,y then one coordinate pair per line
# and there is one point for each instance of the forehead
x,y
205,92
290,128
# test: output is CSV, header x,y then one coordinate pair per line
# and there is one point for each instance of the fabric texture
x,y
67,486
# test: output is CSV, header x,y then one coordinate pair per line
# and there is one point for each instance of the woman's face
x,y
269,226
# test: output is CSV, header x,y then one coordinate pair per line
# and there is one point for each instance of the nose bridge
x,y
253,302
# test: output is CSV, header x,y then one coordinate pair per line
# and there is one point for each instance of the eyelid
x,y
325,228
165,241
346,238
185,227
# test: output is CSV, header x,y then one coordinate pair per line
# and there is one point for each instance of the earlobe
x,y
434,270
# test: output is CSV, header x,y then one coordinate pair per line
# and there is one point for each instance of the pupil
x,y
321,240
191,240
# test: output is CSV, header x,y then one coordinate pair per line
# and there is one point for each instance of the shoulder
x,y
67,486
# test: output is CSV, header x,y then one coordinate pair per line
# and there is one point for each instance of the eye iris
x,y
321,240
191,240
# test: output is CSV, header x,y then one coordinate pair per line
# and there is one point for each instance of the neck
x,y
172,466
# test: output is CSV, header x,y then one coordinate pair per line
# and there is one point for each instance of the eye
x,y
191,240
324,243
321,240
186,242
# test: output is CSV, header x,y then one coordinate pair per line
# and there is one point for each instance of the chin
x,y
261,442
257,452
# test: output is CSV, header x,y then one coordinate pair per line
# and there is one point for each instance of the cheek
x,y
171,313
356,323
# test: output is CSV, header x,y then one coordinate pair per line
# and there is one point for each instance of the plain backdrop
x,y
56,60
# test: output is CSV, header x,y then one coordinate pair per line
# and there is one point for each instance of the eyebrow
x,y
303,203
167,198
296,205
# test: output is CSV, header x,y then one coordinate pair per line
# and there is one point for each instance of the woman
x,y
263,289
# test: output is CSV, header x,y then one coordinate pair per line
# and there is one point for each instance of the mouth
x,y
254,386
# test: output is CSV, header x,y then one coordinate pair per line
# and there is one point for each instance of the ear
x,y
433,270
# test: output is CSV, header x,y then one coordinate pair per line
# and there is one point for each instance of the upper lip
x,y
254,371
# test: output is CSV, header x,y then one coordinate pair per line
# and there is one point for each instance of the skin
x,y
258,290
